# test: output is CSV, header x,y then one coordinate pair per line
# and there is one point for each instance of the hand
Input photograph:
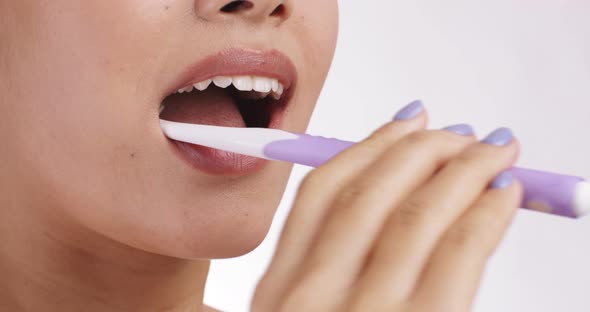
x,y
403,221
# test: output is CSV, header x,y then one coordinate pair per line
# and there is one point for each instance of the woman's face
x,y
81,83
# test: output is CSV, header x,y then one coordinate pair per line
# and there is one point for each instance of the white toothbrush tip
x,y
582,199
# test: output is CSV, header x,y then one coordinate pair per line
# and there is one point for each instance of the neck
x,y
46,266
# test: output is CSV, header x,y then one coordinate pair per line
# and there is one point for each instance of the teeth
x,y
222,82
201,86
186,89
259,87
263,84
275,85
243,83
279,92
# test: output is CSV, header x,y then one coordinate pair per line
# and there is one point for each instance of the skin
x,y
98,214
92,181
414,239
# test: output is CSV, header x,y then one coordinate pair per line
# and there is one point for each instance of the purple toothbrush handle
x,y
548,192
307,150
543,191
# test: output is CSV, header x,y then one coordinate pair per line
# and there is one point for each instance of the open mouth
x,y
239,101
236,88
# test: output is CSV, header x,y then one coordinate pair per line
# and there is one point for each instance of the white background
x,y
522,64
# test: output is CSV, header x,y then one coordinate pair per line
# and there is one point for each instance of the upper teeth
x,y
263,85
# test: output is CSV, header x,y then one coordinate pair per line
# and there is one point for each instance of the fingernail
x,y
503,180
461,129
410,111
499,137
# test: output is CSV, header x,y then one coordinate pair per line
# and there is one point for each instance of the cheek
x,y
78,109
314,26
69,94
78,83
318,28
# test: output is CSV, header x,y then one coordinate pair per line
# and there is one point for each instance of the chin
x,y
223,219
220,237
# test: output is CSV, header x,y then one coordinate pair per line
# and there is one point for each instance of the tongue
x,y
213,106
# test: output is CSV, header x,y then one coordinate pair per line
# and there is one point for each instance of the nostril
x,y
278,11
237,5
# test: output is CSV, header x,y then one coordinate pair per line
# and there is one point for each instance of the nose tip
x,y
253,10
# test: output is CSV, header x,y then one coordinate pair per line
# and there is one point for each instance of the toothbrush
x,y
553,193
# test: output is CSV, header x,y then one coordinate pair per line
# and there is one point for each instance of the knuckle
x,y
477,163
416,145
368,149
464,236
420,138
413,206
467,165
349,194
434,142
470,159
413,212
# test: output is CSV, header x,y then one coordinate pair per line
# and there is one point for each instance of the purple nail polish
x,y
409,111
503,180
500,137
461,129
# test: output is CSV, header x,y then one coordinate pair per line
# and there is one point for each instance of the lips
x,y
233,88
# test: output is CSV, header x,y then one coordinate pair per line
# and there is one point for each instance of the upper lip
x,y
240,62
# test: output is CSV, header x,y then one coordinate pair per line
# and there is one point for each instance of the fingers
x,y
413,230
383,223
457,263
362,206
316,193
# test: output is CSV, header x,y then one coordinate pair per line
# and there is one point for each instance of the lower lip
x,y
216,162
221,163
